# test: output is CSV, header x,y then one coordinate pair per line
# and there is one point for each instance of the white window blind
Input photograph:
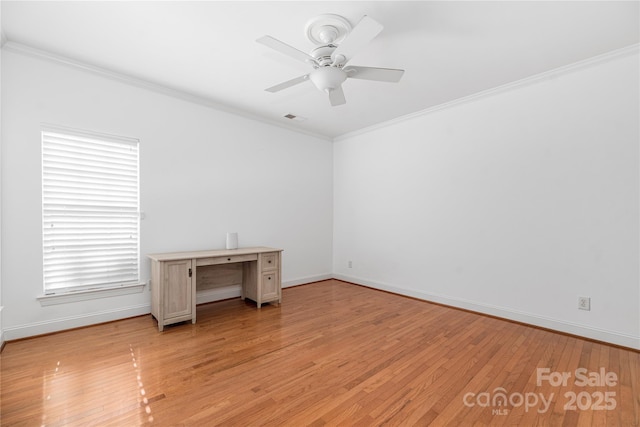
x,y
90,210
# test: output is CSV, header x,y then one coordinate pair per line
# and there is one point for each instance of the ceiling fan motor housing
x,y
322,55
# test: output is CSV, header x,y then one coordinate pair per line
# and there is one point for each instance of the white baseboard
x,y
47,327
1,330
604,335
307,279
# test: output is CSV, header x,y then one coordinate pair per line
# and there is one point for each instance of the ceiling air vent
x,y
294,117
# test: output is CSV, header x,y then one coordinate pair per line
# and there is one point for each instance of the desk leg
x,y
243,285
193,291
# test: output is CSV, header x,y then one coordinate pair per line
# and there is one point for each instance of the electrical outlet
x,y
584,303
350,264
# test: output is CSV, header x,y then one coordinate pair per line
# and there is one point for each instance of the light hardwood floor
x,y
332,354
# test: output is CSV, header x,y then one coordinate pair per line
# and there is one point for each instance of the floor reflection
x,y
77,391
145,400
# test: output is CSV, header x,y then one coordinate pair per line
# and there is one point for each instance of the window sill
x,y
88,294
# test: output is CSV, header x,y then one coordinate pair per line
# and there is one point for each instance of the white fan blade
x,y
336,97
285,48
287,84
359,37
390,75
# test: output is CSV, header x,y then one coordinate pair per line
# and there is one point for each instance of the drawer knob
x,y
269,261
228,259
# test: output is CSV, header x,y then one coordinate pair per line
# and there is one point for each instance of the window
x,y
90,211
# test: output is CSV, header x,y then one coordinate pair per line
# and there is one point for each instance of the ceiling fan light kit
x,y
337,44
327,79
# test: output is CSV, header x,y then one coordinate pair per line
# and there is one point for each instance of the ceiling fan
x,y
337,44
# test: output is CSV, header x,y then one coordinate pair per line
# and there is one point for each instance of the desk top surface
x,y
174,256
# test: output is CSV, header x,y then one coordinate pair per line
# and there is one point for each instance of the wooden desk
x,y
173,279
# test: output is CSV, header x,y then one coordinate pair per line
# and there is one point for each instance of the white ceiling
x,y
449,49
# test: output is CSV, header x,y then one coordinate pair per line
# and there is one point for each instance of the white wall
x,y
512,204
203,173
1,306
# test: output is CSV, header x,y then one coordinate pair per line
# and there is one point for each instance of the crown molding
x,y
22,49
556,72
207,102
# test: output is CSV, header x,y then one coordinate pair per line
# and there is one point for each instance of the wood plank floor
x,y
331,354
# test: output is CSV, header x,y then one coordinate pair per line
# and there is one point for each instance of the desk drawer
x,y
270,261
226,259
